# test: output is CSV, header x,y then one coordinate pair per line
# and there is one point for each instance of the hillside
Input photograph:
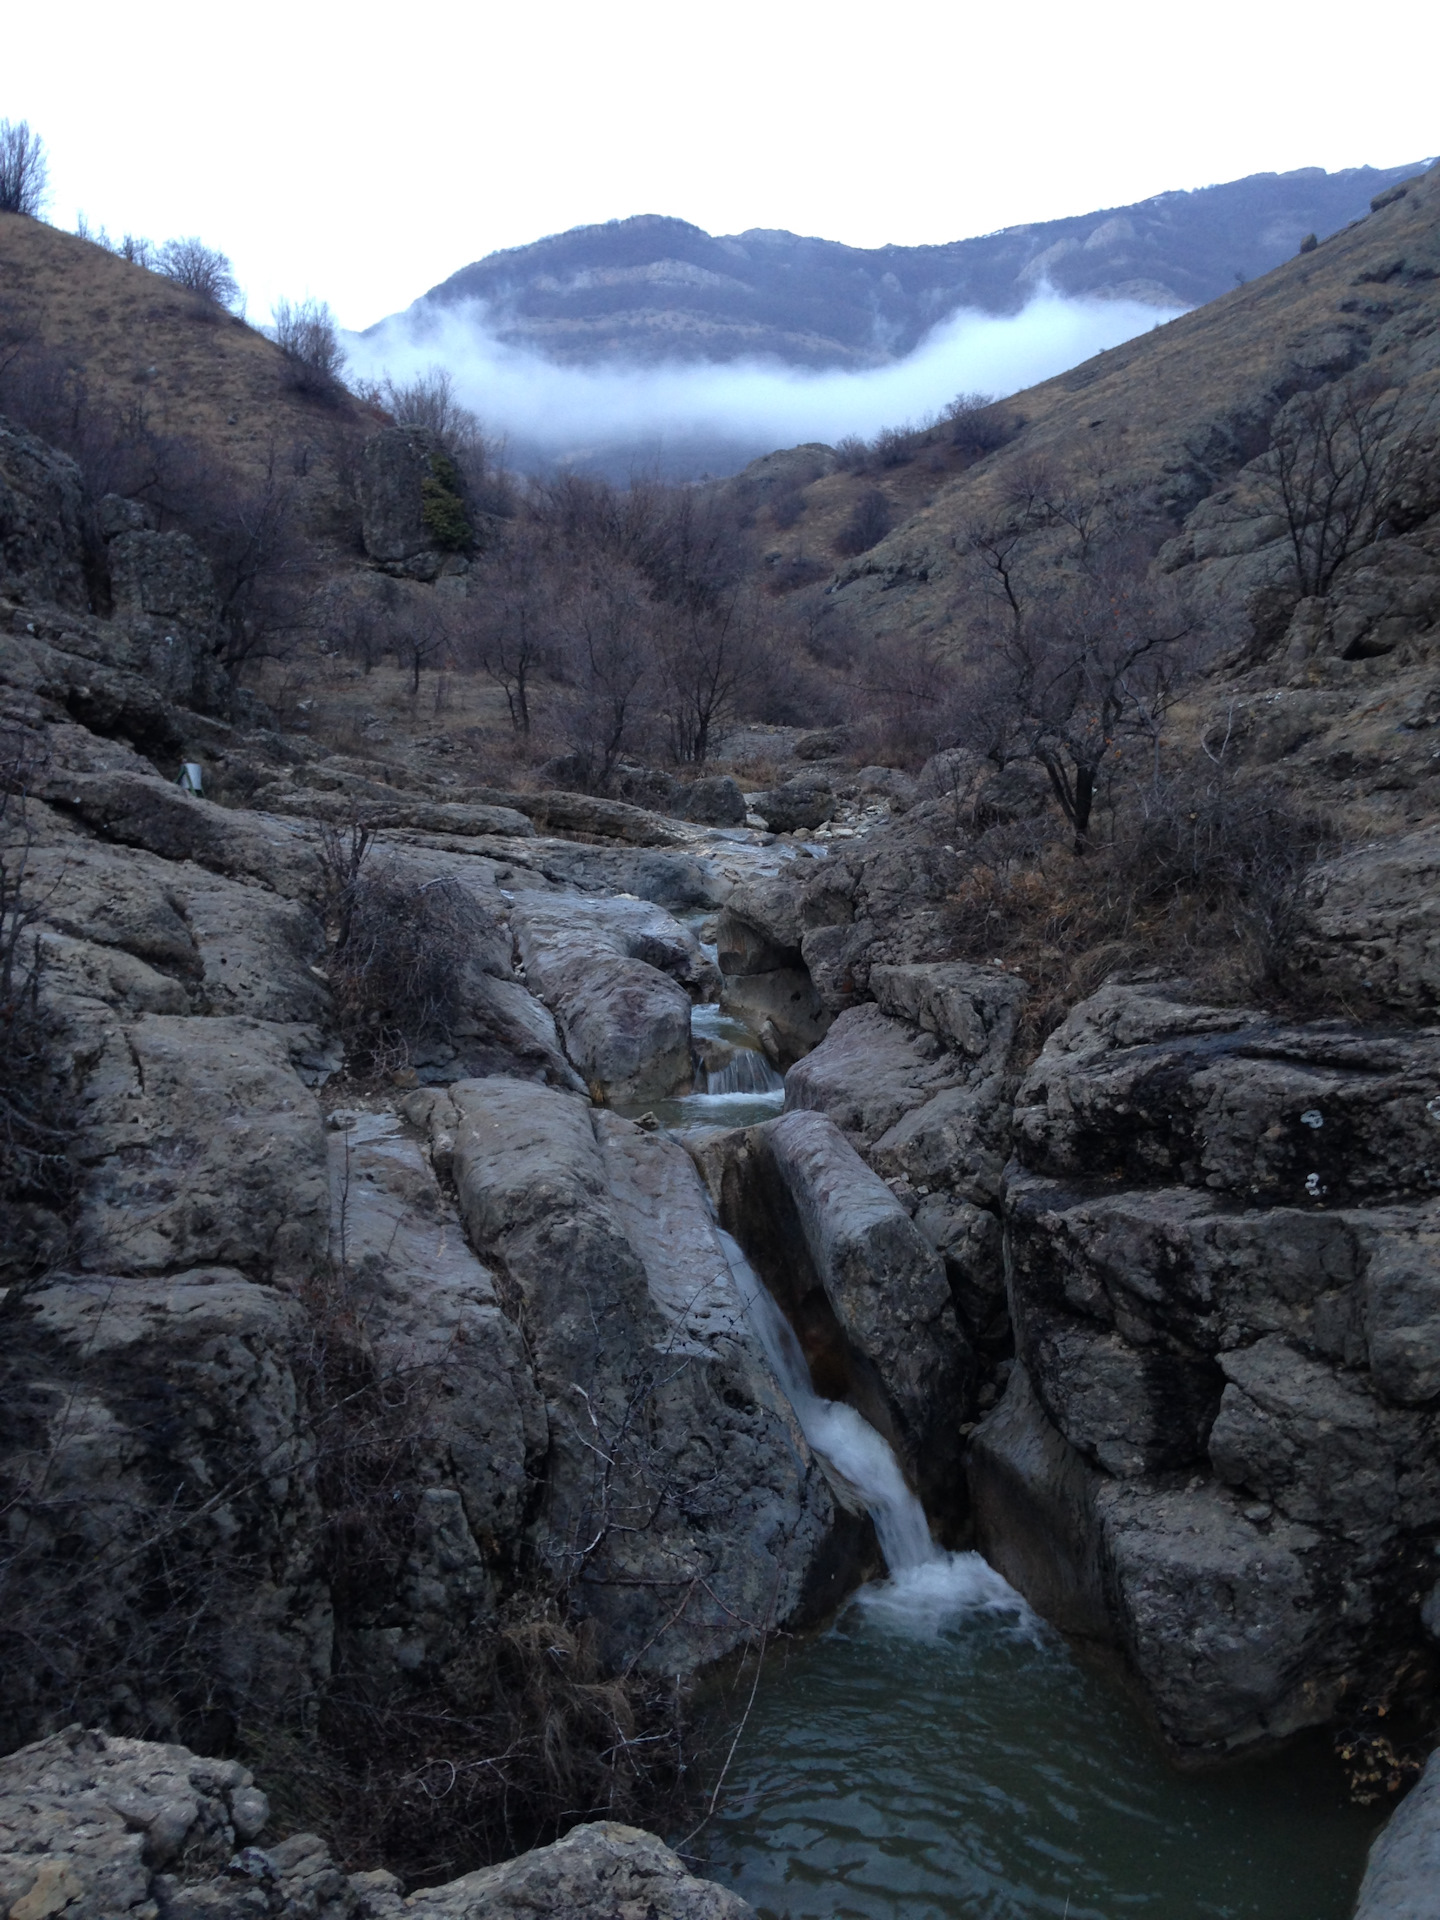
x,y
653,288
92,337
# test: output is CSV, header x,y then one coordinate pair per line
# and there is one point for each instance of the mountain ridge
x,y
654,286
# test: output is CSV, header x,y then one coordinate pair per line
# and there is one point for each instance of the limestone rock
x,y
1139,1086
42,527
599,1871
715,801
884,1282
201,1143
799,803
618,976
1403,1871
432,1320
1372,922
394,467
640,1348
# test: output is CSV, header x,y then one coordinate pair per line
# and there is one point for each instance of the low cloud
x,y
681,413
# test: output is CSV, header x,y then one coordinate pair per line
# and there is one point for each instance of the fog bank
x,y
686,415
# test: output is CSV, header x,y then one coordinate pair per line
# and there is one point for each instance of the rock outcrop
x,y
101,1828
1218,1450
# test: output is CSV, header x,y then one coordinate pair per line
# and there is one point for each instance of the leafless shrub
x,y
204,270
1343,461
978,425
852,453
868,523
399,951
24,169
306,333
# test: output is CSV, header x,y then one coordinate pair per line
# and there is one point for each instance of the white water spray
x,y
926,1586
746,1071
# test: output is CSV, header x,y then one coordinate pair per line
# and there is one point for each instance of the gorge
x,y
513,1270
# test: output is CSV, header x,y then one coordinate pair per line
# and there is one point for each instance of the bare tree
x,y
706,654
609,637
1099,660
512,619
24,169
204,270
422,633
1339,460
306,333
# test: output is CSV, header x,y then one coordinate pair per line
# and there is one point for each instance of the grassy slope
x,y
139,340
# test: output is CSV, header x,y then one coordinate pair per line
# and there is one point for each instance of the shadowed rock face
x,y
1222,1239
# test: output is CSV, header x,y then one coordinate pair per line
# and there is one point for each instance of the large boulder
x,y
166,1439
599,1871
680,1504
406,481
1371,925
433,1323
103,1828
200,1142
618,975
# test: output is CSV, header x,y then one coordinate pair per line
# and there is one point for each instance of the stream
x,y
938,1753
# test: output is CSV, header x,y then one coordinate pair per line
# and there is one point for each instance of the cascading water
x,y
938,1754
747,1072
925,1582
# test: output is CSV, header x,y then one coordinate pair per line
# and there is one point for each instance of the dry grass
x,y
142,342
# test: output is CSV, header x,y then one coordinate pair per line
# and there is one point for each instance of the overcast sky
x,y
361,153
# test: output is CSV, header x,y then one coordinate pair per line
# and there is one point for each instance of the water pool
x,y
940,1755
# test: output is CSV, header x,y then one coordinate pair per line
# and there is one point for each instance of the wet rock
x,y
866,1293
618,976
1403,1870
1222,1620
1221,1242
641,1348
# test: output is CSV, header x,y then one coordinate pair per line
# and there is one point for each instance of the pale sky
x,y
361,153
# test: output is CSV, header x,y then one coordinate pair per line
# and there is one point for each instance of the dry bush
x,y
1195,874
398,952
869,520
203,270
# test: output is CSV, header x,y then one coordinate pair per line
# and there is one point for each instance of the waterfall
x,y
746,1071
927,1588
850,1446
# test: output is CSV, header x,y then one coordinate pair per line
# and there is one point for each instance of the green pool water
x,y
940,1753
